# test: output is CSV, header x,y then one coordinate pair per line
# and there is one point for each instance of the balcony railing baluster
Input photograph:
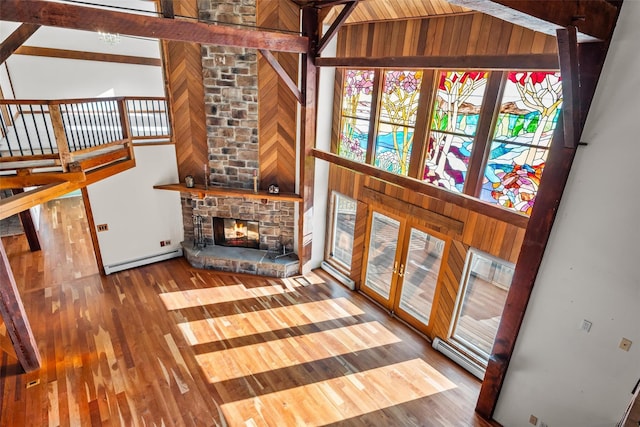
x,y
44,120
27,128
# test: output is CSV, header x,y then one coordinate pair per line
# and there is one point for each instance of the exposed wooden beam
x,y
16,39
421,187
320,4
568,57
26,218
336,25
271,60
594,19
15,318
18,203
310,28
87,56
540,62
556,172
89,19
166,6
41,178
104,158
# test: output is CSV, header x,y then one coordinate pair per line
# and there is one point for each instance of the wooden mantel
x,y
200,192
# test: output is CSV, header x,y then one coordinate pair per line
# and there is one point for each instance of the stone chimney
x,y
231,98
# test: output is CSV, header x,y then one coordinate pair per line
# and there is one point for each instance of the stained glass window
x,y
528,115
356,111
453,127
398,108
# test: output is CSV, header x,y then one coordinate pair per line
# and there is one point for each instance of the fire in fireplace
x,y
236,232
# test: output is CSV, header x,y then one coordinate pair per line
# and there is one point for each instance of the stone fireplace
x,y
230,78
236,233
275,221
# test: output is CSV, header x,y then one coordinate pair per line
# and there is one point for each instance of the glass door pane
x,y
343,228
422,266
383,241
481,299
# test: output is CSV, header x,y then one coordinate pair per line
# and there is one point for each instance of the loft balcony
x,y
53,147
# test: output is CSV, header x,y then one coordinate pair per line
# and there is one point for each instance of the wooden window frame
x,y
480,152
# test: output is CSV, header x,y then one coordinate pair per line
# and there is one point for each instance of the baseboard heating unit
x,y
454,354
113,268
338,275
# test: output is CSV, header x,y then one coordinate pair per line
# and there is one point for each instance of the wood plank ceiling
x,y
388,10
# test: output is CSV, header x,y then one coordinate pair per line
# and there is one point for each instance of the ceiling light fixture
x,y
109,38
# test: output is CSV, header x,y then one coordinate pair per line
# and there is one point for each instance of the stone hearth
x,y
240,260
276,221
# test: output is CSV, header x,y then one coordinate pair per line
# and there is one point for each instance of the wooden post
x,y
126,126
28,226
307,136
15,318
61,137
570,71
92,229
556,172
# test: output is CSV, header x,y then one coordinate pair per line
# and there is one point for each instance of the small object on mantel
x,y
255,181
189,181
274,189
230,192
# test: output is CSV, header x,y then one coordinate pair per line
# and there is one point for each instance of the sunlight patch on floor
x,y
218,294
341,398
277,354
263,321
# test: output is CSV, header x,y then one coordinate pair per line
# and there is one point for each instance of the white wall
x,y
52,78
139,216
323,142
564,376
35,77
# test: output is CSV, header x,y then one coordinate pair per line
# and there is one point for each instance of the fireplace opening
x,y
236,232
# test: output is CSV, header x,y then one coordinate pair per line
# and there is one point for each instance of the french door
x,y
402,267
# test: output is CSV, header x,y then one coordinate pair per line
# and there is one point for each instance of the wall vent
x,y
461,359
338,275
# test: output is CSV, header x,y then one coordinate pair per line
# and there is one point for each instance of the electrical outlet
x,y
162,243
543,424
586,326
625,344
167,242
102,227
533,420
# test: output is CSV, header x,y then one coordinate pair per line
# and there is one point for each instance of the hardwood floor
x,y
167,344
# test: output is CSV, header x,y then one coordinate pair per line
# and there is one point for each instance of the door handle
x,y
395,267
401,270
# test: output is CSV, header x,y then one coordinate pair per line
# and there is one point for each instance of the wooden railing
x,y
61,129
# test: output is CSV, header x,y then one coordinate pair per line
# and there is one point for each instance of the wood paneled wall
x,y
368,11
277,115
466,34
496,237
185,90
